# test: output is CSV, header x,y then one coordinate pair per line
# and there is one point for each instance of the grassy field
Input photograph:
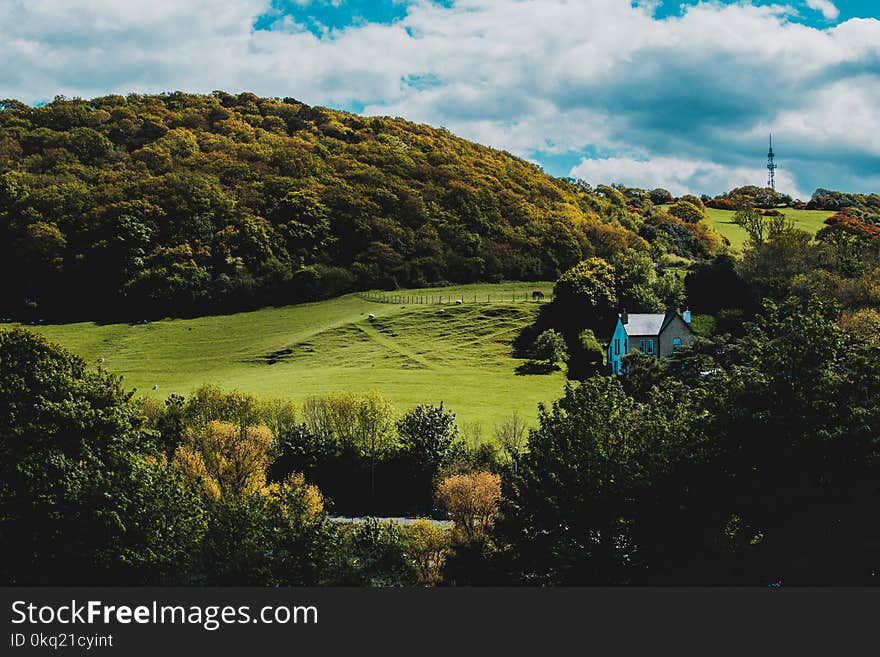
x,y
809,220
413,353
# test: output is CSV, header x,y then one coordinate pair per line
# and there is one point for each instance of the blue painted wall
x,y
619,346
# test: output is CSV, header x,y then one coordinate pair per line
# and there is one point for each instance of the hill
x,y
413,353
722,220
181,205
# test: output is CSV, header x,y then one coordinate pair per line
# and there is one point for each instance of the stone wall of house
x,y
676,329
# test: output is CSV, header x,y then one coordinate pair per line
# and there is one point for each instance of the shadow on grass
x,y
535,367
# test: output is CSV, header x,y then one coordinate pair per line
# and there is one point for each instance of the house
x,y
656,334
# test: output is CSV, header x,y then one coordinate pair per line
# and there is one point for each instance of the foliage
x,y
227,461
688,212
375,553
428,544
549,348
863,325
69,436
591,282
511,434
428,433
762,197
472,501
591,452
181,204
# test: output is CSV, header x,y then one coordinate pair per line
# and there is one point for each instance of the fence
x,y
442,299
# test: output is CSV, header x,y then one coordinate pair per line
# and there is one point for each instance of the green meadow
x,y
414,353
808,220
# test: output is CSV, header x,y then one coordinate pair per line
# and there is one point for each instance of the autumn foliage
x,y
472,501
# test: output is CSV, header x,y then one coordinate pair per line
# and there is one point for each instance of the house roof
x,y
644,323
648,323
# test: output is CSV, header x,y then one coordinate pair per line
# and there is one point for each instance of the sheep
x,y
156,387
459,301
371,316
100,360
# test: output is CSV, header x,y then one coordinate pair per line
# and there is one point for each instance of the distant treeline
x,y
179,204
863,206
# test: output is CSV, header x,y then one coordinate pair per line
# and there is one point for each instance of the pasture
x,y
722,220
414,353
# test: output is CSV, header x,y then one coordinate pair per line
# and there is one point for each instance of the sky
x,y
650,93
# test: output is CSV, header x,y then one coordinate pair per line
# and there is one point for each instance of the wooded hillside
x,y
183,204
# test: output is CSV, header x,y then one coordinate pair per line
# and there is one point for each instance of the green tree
x,y
430,438
84,495
570,517
549,348
688,212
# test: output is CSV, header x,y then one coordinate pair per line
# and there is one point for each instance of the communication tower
x,y
771,167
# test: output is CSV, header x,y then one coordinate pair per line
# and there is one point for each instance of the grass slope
x,y
722,220
413,353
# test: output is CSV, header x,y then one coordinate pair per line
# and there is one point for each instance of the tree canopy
x,y
183,204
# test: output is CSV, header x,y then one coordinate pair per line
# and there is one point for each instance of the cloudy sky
x,y
674,93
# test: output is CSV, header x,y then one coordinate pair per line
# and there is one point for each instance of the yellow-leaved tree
x,y
227,460
472,501
428,544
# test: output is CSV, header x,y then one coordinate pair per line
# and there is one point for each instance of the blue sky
x,y
679,94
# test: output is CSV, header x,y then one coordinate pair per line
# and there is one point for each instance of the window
x,y
642,346
650,346
616,346
626,346
676,342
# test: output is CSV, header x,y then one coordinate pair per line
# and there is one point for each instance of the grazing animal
x,y
459,301
100,360
371,316
537,295
156,387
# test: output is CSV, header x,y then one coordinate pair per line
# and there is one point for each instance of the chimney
x,y
686,316
624,317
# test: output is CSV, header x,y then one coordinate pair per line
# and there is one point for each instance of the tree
x,y
511,435
864,325
472,501
591,282
429,435
569,516
227,460
756,225
84,495
660,196
772,265
279,536
637,282
375,431
428,544
688,212
549,348
374,553
430,438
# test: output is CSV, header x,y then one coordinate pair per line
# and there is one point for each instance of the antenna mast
x,y
771,167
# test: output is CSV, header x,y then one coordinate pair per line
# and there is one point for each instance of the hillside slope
x,y
413,353
181,204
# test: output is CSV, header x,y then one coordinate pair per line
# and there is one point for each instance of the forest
x,y
179,205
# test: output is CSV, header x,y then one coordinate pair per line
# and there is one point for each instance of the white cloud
x,y
529,76
828,9
679,176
